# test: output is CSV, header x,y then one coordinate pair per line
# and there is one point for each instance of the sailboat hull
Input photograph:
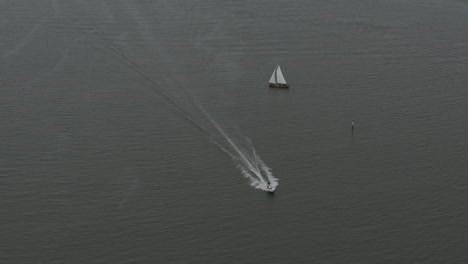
x,y
279,85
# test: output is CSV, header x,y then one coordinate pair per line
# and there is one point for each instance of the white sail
x,y
279,76
273,79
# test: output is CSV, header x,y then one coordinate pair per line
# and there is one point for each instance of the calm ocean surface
x,y
106,155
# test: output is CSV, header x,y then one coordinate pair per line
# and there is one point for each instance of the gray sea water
x,y
108,154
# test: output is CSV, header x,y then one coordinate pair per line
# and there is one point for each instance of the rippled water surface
x,y
109,152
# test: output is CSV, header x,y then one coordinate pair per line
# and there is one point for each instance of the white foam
x,y
247,159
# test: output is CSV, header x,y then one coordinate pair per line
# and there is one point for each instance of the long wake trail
x,y
251,165
246,159
249,162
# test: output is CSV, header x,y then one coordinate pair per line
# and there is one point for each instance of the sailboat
x,y
277,79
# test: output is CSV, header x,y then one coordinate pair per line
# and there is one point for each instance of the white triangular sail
x,y
273,76
279,76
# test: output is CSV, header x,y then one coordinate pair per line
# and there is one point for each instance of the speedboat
x,y
270,189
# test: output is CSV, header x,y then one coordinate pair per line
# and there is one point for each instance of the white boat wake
x,y
243,154
246,159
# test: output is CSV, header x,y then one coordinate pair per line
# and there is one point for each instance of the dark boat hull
x,y
279,85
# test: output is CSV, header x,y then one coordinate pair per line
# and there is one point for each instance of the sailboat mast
x,y
276,73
